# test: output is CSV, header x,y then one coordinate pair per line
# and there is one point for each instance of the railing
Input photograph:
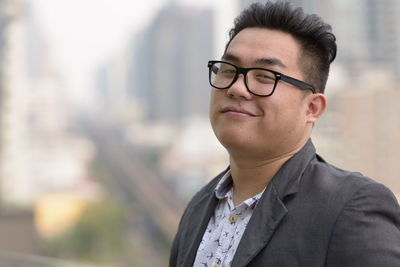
x,y
13,259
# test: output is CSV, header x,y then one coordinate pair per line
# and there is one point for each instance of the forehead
x,y
255,46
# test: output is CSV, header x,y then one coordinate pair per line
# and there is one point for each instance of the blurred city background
x,y
104,131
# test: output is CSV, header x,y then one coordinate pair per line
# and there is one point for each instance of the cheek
x,y
293,119
213,97
281,118
216,98
212,107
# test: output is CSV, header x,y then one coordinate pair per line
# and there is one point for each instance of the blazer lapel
x,y
267,216
271,209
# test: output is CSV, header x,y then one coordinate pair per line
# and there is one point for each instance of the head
x,y
284,40
317,43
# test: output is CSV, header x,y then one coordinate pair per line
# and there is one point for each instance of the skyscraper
x,y
3,24
367,31
170,65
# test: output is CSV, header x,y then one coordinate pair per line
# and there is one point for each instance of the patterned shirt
x,y
225,228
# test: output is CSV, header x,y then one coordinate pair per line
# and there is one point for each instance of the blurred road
x,y
134,183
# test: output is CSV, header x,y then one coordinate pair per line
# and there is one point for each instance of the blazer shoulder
x,y
367,230
331,179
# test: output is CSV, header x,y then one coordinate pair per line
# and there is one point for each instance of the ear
x,y
316,107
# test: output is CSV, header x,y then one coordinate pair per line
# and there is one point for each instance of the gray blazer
x,y
311,214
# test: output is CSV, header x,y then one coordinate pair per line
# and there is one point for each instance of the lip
x,y
238,111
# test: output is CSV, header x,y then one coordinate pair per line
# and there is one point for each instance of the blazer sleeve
x,y
367,231
173,257
174,253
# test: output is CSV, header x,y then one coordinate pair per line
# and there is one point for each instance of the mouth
x,y
238,111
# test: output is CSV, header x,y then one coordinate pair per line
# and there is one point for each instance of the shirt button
x,y
215,265
232,218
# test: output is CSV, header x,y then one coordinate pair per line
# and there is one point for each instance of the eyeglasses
x,y
258,81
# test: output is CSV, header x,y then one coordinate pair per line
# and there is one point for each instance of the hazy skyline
x,y
83,35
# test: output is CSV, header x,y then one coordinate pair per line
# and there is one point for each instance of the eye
x,y
263,76
227,70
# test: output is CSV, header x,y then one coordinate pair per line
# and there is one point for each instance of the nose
x,y
238,89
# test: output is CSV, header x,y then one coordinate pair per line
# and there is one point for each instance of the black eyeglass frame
x,y
278,76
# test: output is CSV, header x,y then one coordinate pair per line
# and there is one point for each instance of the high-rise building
x,y
383,28
360,130
6,15
367,31
36,147
3,25
245,3
170,65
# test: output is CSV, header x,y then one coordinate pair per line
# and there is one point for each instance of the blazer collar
x,y
287,179
267,215
271,209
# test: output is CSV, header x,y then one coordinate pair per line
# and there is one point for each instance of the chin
x,y
234,142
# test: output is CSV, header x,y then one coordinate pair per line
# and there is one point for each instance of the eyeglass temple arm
x,y
300,84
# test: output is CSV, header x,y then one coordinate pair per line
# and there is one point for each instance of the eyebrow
x,y
270,61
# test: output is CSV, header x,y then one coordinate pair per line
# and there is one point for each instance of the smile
x,y
238,111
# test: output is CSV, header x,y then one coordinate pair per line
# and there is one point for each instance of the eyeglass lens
x,y
258,81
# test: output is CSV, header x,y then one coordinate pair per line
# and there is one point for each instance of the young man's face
x,y
261,127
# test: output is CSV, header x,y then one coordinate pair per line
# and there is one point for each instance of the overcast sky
x,y
82,34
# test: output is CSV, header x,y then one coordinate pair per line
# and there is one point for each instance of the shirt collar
x,y
224,190
224,185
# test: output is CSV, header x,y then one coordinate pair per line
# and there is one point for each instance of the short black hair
x,y
315,38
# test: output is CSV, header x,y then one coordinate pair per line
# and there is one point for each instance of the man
x,y
279,203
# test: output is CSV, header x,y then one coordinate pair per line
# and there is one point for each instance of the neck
x,y
251,176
